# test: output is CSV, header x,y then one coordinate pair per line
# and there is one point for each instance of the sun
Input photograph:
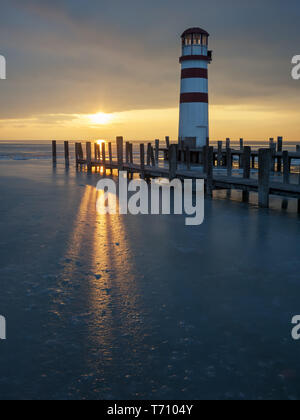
x,y
101,118
99,142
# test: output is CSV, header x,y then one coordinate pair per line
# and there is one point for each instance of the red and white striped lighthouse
x,y
194,122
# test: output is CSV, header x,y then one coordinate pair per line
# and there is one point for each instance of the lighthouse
x,y
194,121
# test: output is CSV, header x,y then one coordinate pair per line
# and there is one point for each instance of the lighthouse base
x,y
193,123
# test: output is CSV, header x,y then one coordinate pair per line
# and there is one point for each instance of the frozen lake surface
x,y
142,307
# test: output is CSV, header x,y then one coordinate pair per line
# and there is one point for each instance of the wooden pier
x,y
272,175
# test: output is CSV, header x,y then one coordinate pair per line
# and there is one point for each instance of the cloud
x,y
80,57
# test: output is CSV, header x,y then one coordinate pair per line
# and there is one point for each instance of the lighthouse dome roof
x,y
194,31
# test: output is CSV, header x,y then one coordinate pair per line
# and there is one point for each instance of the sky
x,y
93,69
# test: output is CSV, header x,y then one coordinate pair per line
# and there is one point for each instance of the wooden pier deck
x,y
272,174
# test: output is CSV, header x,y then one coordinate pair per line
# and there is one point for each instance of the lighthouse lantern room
x,y
194,121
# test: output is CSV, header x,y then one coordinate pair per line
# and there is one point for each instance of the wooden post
x,y
89,156
207,141
76,155
286,167
131,153
152,157
142,159
253,162
264,165
240,156
210,169
188,158
127,147
103,152
54,155
168,142
67,157
227,143
172,161
110,157
247,162
95,151
149,154
229,161
156,151
247,169
279,150
120,153
220,154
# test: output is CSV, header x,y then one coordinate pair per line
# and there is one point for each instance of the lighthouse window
x,y
204,40
188,40
197,39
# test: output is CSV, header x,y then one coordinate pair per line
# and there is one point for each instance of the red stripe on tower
x,y
194,97
194,73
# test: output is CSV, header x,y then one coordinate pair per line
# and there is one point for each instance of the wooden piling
x,y
279,150
264,165
286,167
157,151
89,156
220,154
120,152
142,160
76,155
240,156
131,153
172,161
149,147
54,154
67,157
153,162
103,152
127,147
229,161
210,169
227,143
247,162
110,156
168,142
